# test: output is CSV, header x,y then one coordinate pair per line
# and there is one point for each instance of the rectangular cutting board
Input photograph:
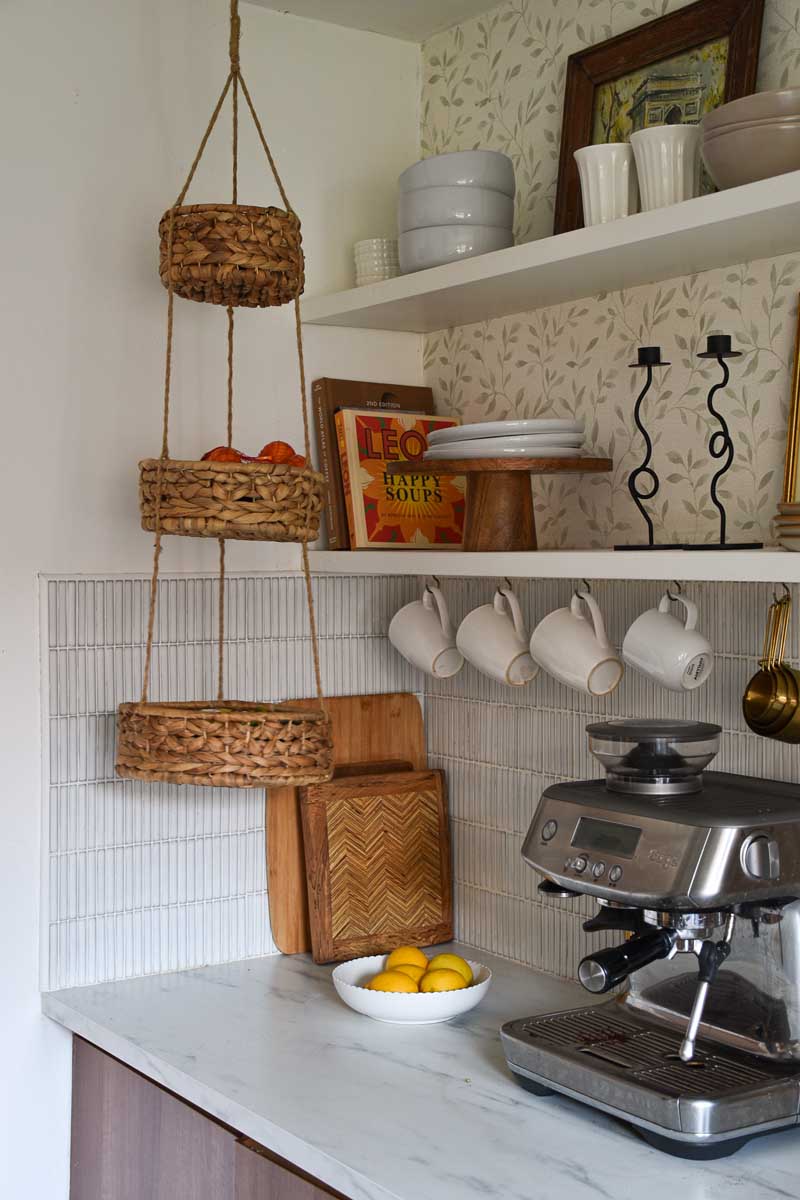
x,y
378,870
366,729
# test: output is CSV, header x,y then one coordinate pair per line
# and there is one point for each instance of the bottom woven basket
x,y
257,501
226,743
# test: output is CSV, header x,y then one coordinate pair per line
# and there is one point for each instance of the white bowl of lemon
x,y
407,988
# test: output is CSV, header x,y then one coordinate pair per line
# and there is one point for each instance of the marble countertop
x,y
386,1111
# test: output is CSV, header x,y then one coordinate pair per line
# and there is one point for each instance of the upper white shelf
x,y
760,220
746,566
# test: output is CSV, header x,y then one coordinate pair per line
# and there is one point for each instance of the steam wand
x,y
711,957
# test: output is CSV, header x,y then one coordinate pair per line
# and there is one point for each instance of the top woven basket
x,y
238,255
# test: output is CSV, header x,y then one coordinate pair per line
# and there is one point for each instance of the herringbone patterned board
x,y
378,863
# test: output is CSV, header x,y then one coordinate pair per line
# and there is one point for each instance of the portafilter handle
x,y
603,970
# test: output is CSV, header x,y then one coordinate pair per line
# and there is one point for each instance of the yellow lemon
x,y
392,981
452,962
441,980
410,970
406,954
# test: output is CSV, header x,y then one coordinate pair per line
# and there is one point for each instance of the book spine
x,y
328,463
341,435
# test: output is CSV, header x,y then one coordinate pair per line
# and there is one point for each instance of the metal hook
x,y
787,594
507,583
678,590
586,588
436,583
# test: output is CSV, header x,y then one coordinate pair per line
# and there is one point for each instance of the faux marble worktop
x,y
377,1111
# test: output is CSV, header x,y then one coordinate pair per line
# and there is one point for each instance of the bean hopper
x,y
697,878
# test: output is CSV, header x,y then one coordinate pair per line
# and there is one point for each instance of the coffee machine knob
x,y
760,858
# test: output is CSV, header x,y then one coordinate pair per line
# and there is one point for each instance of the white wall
x,y
104,103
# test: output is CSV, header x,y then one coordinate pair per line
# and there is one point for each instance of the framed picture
x,y
790,489
671,71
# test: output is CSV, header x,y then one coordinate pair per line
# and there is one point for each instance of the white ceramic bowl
x,y
779,104
454,206
405,1008
423,248
742,156
464,168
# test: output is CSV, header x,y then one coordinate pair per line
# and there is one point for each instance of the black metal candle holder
x,y
648,357
720,444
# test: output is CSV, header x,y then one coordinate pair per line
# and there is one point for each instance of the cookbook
x,y
415,510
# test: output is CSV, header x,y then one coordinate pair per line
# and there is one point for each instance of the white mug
x,y
575,648
672,652
423,634
494,639
609,186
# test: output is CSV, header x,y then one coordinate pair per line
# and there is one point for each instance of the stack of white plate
x,y
455,206
541,438
376,259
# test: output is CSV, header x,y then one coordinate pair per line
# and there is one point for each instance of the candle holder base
x,y
724,546
647,546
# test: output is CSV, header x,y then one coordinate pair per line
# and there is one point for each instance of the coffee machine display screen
x,y
606,836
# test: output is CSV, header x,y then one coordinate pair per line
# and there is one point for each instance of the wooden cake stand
x,y
499,502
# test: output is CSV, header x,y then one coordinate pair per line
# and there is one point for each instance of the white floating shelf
x,y
760,220
746,566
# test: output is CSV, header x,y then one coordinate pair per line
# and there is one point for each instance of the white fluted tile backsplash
x,y
143,879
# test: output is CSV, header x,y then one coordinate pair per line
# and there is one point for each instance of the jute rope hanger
x,y
234,82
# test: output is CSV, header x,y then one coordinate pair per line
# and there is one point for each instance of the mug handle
x,y
509,596
431,595
597,617
689,605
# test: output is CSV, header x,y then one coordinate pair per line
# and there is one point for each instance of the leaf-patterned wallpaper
x,y
497,81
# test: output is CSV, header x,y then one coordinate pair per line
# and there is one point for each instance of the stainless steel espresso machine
x,y
697,877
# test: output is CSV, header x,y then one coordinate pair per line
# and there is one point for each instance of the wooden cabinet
x,y
134,1140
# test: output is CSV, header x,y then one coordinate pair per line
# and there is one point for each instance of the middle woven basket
x,y
225,743
253,501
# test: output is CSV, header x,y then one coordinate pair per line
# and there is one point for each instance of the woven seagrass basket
x,y
233,254
226,743
268,502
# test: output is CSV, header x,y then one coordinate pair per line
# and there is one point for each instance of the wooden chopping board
x,y
379,730
377,851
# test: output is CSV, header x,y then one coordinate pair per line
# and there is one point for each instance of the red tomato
x,y
276,452
223,454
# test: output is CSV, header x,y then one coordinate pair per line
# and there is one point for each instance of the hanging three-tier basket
x,y
233,255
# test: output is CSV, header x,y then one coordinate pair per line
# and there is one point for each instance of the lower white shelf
x,y
772,565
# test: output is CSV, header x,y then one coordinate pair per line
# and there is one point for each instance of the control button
x,y
549,830
599,869
760,858
579,865
615,874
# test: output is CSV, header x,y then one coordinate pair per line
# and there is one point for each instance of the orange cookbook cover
x,y
393,512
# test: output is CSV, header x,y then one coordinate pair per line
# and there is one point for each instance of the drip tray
x,y
632,1067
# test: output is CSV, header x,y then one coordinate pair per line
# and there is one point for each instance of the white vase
x,y
608,182
667,163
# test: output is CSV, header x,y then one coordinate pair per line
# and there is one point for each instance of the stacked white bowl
x,y
544,437
376,259
455,206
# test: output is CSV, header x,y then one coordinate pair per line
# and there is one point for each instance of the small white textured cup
x,y
667,163
608,182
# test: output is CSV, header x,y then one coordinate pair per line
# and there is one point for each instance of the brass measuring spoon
x,y
787,682
759,704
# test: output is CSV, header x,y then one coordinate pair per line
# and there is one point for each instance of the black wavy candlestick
x,y
649,357
720,444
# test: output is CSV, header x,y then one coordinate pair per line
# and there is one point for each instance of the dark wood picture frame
x,y
676,33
